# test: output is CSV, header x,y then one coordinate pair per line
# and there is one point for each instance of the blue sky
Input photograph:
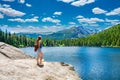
x,y
46,16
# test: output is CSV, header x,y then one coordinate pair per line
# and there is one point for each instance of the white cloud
x,y
11,12
79,16
66,1
78,2
72,23
52,28
16,19
82,19
97,10
9,0
21,1
6,5
49,19
93,25
1,16
113,22
114,12
35,19
96,20
57,13
82,2
31,20
89,21
28,5
33,29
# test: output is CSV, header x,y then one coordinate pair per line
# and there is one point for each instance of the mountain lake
x,y
91,63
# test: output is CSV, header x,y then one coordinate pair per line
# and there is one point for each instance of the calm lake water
x,y
91,63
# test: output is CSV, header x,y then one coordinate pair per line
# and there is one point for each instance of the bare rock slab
x,y
26,69
11,52
16,65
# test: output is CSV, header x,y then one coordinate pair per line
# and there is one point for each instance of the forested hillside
x,y
109,38
15,40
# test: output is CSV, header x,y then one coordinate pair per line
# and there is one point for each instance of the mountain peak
x,y
72,32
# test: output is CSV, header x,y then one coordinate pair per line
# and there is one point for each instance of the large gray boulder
x,y
11,52
26,69
15,65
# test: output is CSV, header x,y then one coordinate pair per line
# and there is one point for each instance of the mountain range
x,y
70,33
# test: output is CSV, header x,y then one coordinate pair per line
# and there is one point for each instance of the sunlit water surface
x,y
91,63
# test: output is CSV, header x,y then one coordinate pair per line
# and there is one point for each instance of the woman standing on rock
x,y
37,48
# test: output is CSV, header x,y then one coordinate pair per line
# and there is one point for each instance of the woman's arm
x,y
38,43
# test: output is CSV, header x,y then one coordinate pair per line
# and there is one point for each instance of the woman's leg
x,y
41,57
38,58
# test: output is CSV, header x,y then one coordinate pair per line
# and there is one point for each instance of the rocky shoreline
x,y
16,65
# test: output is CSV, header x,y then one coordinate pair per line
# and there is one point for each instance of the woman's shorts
x,y
38,51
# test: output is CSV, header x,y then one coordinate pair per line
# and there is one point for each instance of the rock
x,y
11,52
15,65
3,56
64,64
26,69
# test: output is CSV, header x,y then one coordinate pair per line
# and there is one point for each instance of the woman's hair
x,y
39,37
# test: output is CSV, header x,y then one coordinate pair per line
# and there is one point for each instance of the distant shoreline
x,y
78,46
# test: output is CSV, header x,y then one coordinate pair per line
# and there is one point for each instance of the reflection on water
x,y
91,63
